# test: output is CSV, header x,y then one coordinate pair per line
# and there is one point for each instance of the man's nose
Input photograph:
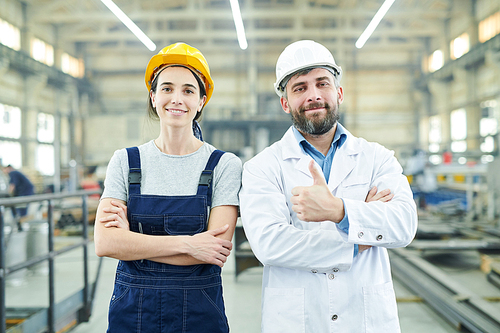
x,y
314,94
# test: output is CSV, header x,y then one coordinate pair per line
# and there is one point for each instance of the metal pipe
x,y
86,304
10,202
453,301
3,325
51,312
44,257
43,197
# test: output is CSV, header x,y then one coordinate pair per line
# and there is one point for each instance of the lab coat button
x,y
314,271
335,317
379,237
335,270
331,276
360,234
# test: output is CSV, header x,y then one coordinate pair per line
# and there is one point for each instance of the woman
x,y
169,209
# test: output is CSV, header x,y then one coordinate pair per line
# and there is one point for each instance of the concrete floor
x,y
242,296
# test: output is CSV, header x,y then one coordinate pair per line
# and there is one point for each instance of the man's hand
x,y
384,196
316,203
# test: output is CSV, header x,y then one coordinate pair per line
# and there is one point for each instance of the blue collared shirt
x,y
325,162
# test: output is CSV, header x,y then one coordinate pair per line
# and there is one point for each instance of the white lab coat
x,y
311,282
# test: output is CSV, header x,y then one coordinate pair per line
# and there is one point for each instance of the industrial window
x,y
44,161
10,153
10,131
459,46
10,35
10,121
488,125
42,51
458,123
434,133
72,66
436,61
489,27
45,128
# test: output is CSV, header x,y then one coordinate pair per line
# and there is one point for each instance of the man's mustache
x,y
314,106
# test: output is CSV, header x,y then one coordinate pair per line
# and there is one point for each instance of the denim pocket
x,y
184,224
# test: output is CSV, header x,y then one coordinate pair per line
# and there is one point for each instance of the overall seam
x,y
184,312
139,312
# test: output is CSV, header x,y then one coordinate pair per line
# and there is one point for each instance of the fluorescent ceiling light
x,y
130,24
238,22
374,23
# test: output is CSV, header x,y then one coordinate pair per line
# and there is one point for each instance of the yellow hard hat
x,y
180,54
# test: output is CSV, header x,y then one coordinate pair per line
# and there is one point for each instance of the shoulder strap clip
x,y
134,176
205,178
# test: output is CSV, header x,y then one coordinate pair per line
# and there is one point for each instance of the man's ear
x,y
284,104
340,94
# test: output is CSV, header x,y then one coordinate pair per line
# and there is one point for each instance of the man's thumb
x,y
318,177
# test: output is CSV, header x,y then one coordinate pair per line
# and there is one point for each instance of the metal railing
x,y
88,297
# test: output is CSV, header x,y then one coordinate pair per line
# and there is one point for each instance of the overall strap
x,y
205,184
134,173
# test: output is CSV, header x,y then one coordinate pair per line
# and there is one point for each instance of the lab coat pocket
x,y
381,313
283,310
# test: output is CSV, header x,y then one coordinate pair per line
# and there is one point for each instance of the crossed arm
x,y
316,203
113,238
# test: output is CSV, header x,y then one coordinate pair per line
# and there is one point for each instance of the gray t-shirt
x,y
164,174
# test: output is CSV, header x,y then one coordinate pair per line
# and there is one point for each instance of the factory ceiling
x,y
269,24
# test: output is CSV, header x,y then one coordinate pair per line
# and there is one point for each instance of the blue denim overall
x,y
152,297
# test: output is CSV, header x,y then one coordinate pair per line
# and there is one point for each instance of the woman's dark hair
x,y
152,111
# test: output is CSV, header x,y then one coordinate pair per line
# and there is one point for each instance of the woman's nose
x,y
176,98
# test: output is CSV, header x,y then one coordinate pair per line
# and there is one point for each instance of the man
x,y
326,267
19,185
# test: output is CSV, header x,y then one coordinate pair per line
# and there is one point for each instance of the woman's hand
x,y
208,248
118,216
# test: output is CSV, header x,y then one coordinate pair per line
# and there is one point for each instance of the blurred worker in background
x,y
19,185
169,209
311,215
423,178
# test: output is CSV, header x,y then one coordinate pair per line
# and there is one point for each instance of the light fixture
x,y
374,23
238,23
130,24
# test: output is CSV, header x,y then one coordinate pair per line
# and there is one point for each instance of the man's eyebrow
x,y
317,80
323,78
297,84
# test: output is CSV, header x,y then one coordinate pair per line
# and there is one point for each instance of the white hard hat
x,y
301,55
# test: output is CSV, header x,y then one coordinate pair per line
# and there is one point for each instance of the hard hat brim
x,y
181,59
277,85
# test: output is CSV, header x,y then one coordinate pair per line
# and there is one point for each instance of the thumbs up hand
x,y
316,203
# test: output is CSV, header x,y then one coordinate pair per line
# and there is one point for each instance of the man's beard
x,y
315,124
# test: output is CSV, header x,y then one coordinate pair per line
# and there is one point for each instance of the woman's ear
x,y
152,95
202,102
